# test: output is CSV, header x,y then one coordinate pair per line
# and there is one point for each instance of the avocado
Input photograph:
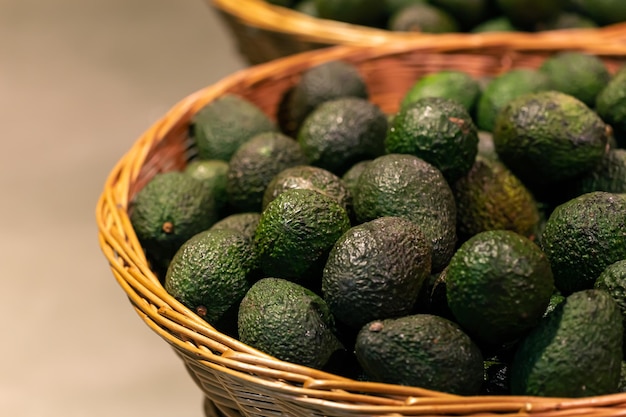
x,y
555,299
569,20
438,130
392,6
613,281
611,105
244,223
421,350
168,210
254,165
211,273
320,83
583,236
342,132
351,176
432,298
468,13
497,378
407,186
359,12
221,126
213,173
452,84
529,14
498,286
503,88
296,232
578,74
574,352
375,270
495,24
307,7
311,178
491,197
604,12
423,18
609,175
287,321
549,137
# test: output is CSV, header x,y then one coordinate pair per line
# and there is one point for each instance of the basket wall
x,y
236,379
263,32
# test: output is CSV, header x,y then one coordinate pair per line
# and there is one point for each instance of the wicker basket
x,y
237,379
264,32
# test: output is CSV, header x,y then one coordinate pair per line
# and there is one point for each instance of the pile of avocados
x,y
473,16
472,242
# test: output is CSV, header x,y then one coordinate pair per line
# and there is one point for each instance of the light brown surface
x,y
79,82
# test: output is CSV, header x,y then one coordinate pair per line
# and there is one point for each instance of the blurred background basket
x,y
263,32
236,379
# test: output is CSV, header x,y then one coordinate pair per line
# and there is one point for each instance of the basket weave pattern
x,y
237,379
263,32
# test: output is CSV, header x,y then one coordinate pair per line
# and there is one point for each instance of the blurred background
x,y
80,80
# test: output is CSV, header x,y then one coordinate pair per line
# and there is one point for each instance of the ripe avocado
x,y
244,223
502,89
499,284
578,74
409,187
171,208
548,137
255,163
211,273
574,352
318,84
583,236
452,84
296,232
351,176
342,132
491,197
438,130
360,12
611,105
495,24
375,271
609,175
613,281
421,350
213,173
289,322
311,178
569,20
468,13
529,14
221,126
423,18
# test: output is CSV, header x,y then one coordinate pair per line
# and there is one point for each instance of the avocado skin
x,y
342,132
376,270
549,137
576,351
491,197
176,199
254,165
289,322
221,126
296,232
611,105
583,236
421,350
211,273
498,286
440,131
407,186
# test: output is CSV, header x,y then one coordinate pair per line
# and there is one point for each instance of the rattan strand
x,y
263,32
237,379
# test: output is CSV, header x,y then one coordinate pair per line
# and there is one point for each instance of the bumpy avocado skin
x,y
549,137
576,351
583,236
421,350
288,321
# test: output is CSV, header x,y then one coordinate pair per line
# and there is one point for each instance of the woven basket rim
x,y
194,337
278,19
